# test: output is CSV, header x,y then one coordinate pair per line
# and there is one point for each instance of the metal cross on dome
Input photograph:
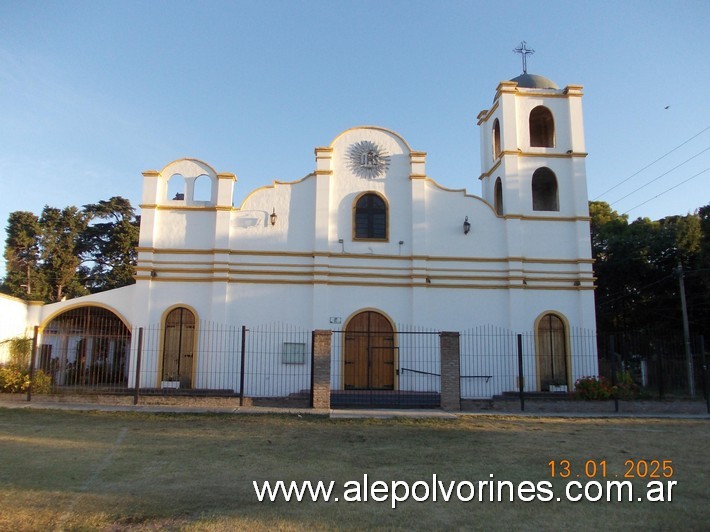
x,y
524,51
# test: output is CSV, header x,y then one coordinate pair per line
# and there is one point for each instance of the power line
x,y
667,190
660,176
651,164
641,289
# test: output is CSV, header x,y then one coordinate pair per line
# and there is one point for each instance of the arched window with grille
x,y
370,218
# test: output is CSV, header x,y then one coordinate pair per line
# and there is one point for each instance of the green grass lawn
x,y
116,471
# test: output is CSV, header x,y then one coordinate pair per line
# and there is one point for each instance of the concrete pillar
x,y
320,382
450,371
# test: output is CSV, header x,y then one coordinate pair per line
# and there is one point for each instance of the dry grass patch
x,y
120,471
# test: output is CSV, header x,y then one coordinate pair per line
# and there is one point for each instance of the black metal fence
x,y
271,364
264,364
496,361
662,365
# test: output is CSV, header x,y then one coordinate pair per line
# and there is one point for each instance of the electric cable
x,y
651,164
667,190
660,176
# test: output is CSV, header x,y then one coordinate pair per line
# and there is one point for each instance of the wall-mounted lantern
x,y
466,226
273,216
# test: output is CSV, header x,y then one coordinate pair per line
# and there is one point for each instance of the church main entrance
x,y
369,353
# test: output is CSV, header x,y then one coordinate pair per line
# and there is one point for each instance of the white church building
x,y
368,241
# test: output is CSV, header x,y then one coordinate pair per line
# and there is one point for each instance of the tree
x,y
109,247
60,250
23,278
70,252
636,269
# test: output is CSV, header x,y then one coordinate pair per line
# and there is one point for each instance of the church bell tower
x,y
532,148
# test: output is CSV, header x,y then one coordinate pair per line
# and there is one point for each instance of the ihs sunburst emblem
x,y
367,159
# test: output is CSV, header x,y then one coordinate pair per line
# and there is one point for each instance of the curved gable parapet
x,y
274,184
187,183
187,168
463,193
374,128
369,155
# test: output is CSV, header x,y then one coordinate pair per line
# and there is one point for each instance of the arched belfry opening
x,y
202,189
542,128
498,197
545,196
496,139
176,188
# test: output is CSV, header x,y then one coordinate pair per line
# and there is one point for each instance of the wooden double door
x,y
369,352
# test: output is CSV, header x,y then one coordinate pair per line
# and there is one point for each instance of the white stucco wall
x,y
15,321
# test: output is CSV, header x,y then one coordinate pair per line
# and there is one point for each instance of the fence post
x,y
659,370
521,376
320,368
33,354
450,370
612,354
686,332
705,373
243,357
139,356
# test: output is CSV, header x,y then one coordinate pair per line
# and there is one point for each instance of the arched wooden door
x,y
552,351
369,353
178,346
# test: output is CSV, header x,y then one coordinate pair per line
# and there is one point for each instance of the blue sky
x,y
95,92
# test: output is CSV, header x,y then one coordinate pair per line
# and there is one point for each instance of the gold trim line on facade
x,y
340,255
423,284
511,87
499,159
207,208
144,265
502,275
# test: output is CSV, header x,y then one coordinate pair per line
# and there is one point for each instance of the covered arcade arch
x,y
85,346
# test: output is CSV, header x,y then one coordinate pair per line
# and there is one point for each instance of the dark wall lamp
x,y
273,216
466,226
